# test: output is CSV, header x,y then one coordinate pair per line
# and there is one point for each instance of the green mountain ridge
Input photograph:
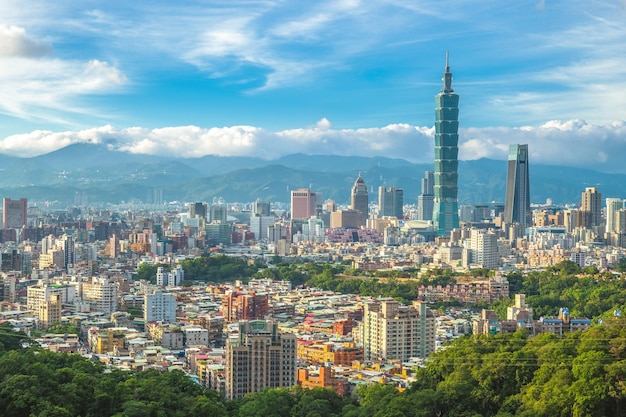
x,y
108,176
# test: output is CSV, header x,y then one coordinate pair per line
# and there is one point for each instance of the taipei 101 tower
x,y
445,211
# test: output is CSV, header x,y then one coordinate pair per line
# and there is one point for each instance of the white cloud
x,y
571,143
324,123
15,43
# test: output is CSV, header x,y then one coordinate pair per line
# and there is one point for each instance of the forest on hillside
x,y
582,374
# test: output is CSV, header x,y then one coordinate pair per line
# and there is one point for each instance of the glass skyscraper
x,y
445,210
517,199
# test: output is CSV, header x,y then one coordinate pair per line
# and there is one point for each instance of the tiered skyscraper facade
x,y
446,210
517,200
359,199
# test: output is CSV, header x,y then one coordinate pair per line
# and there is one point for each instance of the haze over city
x,y
268,79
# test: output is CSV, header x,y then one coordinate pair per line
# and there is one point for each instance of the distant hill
x,y
109,176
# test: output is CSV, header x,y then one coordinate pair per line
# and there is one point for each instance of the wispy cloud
x,y
518,63
36,85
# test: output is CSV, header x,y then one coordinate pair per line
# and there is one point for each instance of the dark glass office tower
x,y
517,201
426,200
445,210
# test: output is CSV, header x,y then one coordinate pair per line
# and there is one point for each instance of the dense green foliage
x,y
11,340
585,293
218,268
207,268
583,374
43,383
147,272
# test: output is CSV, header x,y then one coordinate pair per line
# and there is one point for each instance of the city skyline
x,y
346,78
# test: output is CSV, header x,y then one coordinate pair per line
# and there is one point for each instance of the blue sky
x,y
350,77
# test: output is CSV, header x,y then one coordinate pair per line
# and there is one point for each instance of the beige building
x,y
393,331
101,294
349,219
50,311
41,301
259,357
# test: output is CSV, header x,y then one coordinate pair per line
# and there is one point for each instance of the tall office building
x,y
261,208
517,200
591,207
445,210
303,204
613,207
14,214
259,357
426,200
218,213
259,225
390,202
359,199
198,209
392,331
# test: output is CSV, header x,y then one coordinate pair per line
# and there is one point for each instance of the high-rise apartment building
x,y
172,278
303,204
613,206
393,331
14,214
49,312
66,242
159,306
390,202
591,207
259,357
426,200
101,294
445,209
484,248
238,305
517,200
45,301
359,199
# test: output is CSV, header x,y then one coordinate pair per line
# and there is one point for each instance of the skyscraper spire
x,y
447,76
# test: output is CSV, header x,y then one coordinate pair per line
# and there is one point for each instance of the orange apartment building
x,y
323,379
336,354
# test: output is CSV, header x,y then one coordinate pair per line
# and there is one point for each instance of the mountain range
x,y
110,176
